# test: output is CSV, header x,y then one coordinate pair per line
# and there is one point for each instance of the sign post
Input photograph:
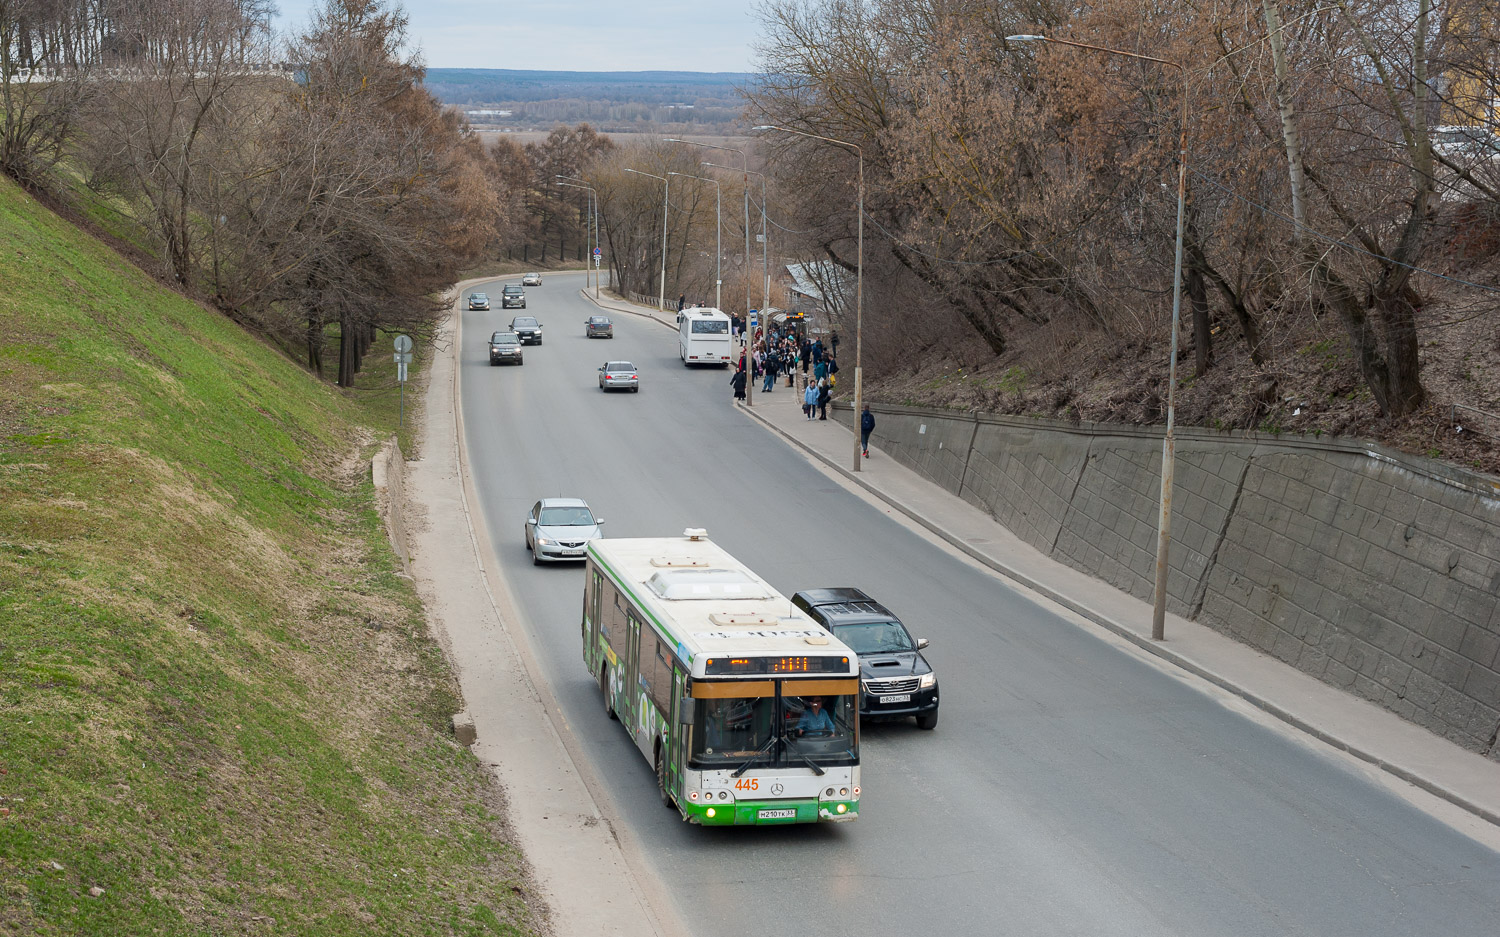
x,y
402,345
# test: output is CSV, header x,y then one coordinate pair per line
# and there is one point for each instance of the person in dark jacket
x,y
824,393
738,383
866,426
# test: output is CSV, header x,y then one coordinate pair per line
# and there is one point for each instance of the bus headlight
x,y
929,680
710,812
842,808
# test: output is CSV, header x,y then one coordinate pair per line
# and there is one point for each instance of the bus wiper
x,y
753,758
792,748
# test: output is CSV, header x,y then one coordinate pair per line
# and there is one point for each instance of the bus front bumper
x,y
769,812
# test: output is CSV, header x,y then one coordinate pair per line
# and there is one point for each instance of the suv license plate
x,y
899,698
785,813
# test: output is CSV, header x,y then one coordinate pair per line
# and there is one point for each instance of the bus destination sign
x,y
720,666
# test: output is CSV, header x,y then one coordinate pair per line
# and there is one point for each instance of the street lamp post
x,y
750,336
765,268
1168,447
859,281
718,232
661,284
594,219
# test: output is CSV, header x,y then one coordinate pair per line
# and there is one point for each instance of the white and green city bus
x,y
748,709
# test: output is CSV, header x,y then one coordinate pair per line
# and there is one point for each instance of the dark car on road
x,y
598,327
479,301
895,679
527,329
505,347
512,297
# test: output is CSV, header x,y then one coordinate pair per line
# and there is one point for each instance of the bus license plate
x,y
899,698
785,813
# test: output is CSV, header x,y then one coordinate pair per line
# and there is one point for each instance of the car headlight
x,y
929,680
543,542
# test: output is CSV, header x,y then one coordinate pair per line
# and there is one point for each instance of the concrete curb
x,y
1151,647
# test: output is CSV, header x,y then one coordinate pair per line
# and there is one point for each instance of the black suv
x,y
512,297
895,679
527,329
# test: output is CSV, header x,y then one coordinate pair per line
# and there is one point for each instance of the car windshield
x,y
619,366
504,338
566,517
512,289
523,324
875,637
774,731
480,296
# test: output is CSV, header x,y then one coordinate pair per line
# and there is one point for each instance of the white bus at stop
x,y
747,709
703,336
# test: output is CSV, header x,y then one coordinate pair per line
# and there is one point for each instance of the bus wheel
x,y
661,778
609,706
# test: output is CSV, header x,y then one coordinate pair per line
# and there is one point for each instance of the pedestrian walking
x,y
825,392
809,399
681,301
866,426
738,383
820,370
833,340
817,351
771,368
806,356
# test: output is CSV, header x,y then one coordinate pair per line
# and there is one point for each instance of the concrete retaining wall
x,y
388,474
1375,571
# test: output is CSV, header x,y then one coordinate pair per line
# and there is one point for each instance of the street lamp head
x,y
1025,38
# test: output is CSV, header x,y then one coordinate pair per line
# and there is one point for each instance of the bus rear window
x,y
710,327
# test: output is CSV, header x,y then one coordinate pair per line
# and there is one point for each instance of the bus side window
x,y
619,635
661,675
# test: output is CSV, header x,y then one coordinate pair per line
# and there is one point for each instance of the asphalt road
x,y
1070,787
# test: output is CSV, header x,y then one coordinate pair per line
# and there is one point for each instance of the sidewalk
x,y
1361,729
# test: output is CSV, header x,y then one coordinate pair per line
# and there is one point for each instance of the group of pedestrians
x,y
787,352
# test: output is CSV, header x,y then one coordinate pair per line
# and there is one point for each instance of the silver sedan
x,y
560,529
619,375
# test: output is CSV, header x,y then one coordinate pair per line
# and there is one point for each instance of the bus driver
x,y
815,721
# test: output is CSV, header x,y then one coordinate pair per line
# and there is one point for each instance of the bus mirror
x,y
685,711
921,643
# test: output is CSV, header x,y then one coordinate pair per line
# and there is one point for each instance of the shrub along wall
x,y
1375,571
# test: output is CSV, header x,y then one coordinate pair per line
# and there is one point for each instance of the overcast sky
x,y
576,35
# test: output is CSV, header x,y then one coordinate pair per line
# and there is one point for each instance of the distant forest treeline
x,y
618,101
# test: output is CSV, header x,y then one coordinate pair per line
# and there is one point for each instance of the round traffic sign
x,y
598,252
403,343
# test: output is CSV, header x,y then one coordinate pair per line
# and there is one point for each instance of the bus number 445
x,y
747,784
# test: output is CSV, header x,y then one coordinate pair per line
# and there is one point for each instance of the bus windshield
x,y
775,731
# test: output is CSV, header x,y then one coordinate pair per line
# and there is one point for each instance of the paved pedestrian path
x,y
1365,731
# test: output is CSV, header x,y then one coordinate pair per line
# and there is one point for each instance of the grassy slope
x,y
217,698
